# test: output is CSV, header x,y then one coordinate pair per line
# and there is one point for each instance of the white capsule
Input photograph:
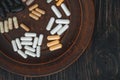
x,y
38,51
10,24
18,43
49,1
35,42
54,31
26,43
63,29
50,24
1,27
62,21
22,54
14,45
15,22
40,40
65,9
6,26
26,39
30,34
29,2
56,11
30,53
29,48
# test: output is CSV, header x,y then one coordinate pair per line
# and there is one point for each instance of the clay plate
x,y
74,41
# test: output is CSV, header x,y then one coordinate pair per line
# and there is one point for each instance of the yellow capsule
x,y
54,37
36,13
59,2
24,27
33,7
34,16
40,11
55,47
52,43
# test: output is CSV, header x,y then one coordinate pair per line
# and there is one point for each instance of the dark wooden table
x,y
101,61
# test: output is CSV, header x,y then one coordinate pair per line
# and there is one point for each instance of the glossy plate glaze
x,y
74,41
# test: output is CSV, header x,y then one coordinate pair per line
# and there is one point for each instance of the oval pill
x,y
63,29
56,11
54,37
53,43
20,52
54,31
50,23
55,47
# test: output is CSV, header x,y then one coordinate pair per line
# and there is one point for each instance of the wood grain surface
x,y
101,61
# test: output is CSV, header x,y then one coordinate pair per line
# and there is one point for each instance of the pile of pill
x,y
29,45
36,12
10,6
8,25
54,43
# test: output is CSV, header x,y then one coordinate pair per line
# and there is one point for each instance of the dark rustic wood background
x,y
101,61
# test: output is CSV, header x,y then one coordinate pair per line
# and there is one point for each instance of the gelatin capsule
x,y
26,28
54,31
55,47
54,37
10,23
65,9
1,27
6,26
40,11
40,40
62,21
30,34
18,43
50,23
33,7
14,45
35,42
56,11
34,16
20,52
30,53
52,43
29,48
15,22
63,29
